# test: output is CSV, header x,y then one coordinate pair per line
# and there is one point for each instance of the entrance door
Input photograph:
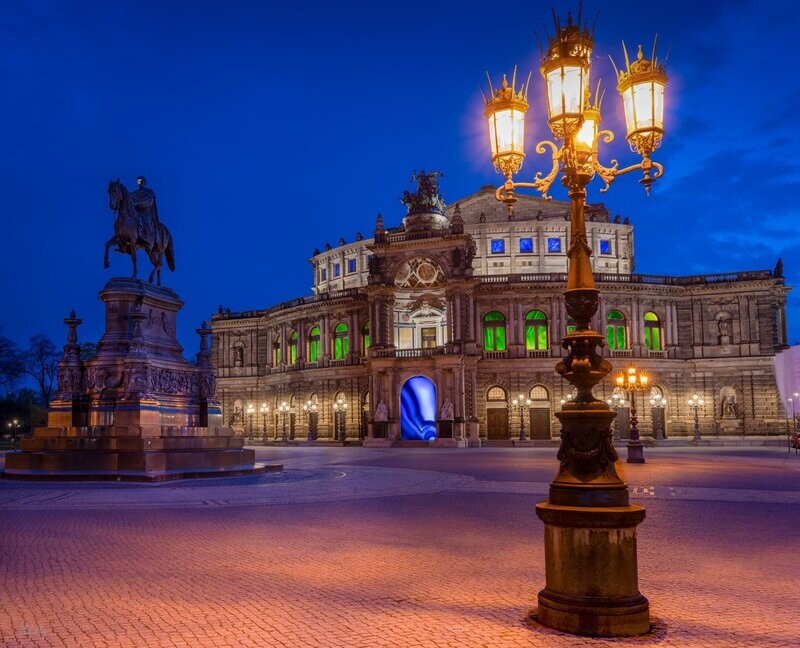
x,y
540,423
497,423
418,409
313,421
623,420
291,425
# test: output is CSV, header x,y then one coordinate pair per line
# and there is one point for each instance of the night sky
x,y
267,131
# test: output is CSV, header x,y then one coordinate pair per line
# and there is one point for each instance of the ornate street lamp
x,y
658,403
617,402
696,403
633,380
264,412
587,493
310,408
283,408
250,411
522,403
13,430
339,411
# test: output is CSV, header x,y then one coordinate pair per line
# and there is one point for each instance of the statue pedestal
x,y
137,410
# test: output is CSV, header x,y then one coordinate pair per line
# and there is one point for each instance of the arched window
x,y
539,393
494,331
293,348
365,339
536,330
341,343
313,345
616,331
653,338
276,351
496,394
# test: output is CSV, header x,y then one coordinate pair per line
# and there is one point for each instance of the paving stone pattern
x,y
341,551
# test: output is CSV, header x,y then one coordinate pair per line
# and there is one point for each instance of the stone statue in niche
x,y
729,404
238,356
447,413
381,411
724,327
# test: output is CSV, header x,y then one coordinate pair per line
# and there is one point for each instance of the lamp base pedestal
x,y
635,452
591,571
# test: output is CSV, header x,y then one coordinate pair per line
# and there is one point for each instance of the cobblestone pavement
x,y
373,547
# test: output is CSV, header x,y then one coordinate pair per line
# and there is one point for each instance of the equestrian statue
x,y
137,226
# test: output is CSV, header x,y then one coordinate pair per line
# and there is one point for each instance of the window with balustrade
x,y
314,345
616,331
653,334
341,343
276,351
494,331
536,331
293,348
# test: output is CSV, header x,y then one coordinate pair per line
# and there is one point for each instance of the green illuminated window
x,y
276,351
494,331
313,345
536,330
653,339
616,335
365,337
293,348
341,343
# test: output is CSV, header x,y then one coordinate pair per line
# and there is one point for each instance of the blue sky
x,y
267,130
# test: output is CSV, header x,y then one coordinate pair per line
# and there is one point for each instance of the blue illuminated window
x,y
498,246
526,245
554,245
336,269
351,265
605,247
324,273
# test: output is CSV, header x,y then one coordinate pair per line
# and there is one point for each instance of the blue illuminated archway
x,y
418,409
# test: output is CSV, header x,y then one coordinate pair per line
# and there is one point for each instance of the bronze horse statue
x,y
132,233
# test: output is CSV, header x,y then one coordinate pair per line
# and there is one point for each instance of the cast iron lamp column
x,y
310,408
250,411
521,402
658,403
696,403
264,411
633,380
283,408
13,429
339,410
617,402
590,526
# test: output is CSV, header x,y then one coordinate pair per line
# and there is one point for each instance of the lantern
x,y
587,133
642,88
565,69
505,112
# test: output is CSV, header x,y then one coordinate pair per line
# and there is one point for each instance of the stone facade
x,y
474,303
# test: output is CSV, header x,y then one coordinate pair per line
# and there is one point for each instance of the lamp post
x,y
310,408
521,402
339,410
587,484
617,402
13,430
264,412
658,403
696,403
633,380
283,408
250,411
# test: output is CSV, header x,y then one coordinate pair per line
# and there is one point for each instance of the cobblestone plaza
x,y
390,547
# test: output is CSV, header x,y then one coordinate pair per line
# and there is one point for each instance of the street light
x,y
339,410
633,380
617,402
587,482
264,411
696,403
310,408
658,403
521,402
13,430
250,411
283,408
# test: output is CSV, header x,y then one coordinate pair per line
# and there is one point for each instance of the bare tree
x,y
10,363
40,361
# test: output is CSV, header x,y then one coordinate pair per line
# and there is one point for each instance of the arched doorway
x,y
540,412
496,413
418,409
